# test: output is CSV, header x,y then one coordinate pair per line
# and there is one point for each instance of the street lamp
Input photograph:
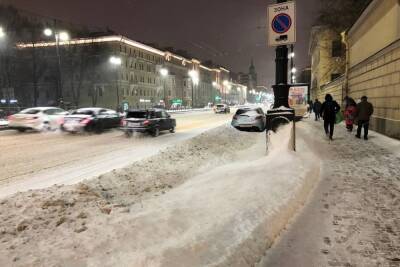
x,y
294,70
63,36
164,73
2,33
194,75
116,62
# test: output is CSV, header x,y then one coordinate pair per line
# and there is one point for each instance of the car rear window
x,y
137,114
30,111
83,112
220,106
242,111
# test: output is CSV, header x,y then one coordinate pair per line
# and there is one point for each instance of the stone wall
x,y
334,88
378,77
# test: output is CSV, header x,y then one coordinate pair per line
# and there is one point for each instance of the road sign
x,y
177,101
282,24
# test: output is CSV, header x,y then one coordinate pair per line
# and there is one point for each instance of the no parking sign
x,y
282,24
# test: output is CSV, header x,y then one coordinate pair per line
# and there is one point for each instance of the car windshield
x,y
30,111
137,114
83,112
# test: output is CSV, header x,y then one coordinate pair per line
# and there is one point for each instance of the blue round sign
x,y
281,23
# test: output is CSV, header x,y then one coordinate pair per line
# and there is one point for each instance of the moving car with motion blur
x,y
249,118
37,119
151,121
222,108
91,120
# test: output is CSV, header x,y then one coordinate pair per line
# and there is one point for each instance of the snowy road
x,y
32,160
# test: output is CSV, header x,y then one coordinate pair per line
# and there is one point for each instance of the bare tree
x,y
340,14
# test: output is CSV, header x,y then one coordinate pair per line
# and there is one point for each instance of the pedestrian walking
x,y
350,113
310,107
364,112
317,109
329,109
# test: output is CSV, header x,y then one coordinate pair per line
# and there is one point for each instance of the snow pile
x,y
213,200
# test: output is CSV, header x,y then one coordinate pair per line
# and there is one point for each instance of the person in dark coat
x,y
364,112
317,109
310,107
328,112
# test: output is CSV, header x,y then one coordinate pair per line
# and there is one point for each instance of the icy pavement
x,y
214,200
353,219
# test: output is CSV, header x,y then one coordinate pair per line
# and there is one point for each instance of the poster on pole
x,y
282,24
298,95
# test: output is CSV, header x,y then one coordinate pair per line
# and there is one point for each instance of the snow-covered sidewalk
x,y
215,200
353,218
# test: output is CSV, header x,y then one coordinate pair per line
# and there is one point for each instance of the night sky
x,y
229,32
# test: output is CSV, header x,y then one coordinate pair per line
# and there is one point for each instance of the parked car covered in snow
x,y
91,120
151,121
38,119
249,118
222,108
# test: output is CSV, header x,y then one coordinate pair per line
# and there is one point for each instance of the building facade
x,y
115,72
327,59
250,79
372,66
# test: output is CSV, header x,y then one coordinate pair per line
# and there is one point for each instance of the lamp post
x,y
59,36
115,63
225,84
291,56
164,73
214,95
2,33
194,75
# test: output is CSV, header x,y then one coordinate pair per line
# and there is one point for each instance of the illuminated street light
x,y
48,32
195,80
195,76
291,55
2,33
215,84
294,70
164,72
226,83
115,60
64,36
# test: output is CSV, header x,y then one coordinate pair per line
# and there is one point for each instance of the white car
x,y
37,119
249,118
3,124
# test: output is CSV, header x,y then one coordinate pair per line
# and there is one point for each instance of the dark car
x,y
91,120
151,121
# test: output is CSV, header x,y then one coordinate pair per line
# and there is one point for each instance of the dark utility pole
x,y
281,87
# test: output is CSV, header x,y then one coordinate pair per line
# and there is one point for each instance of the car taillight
x,y
146,122
123,123
11,117
60,121
85,121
